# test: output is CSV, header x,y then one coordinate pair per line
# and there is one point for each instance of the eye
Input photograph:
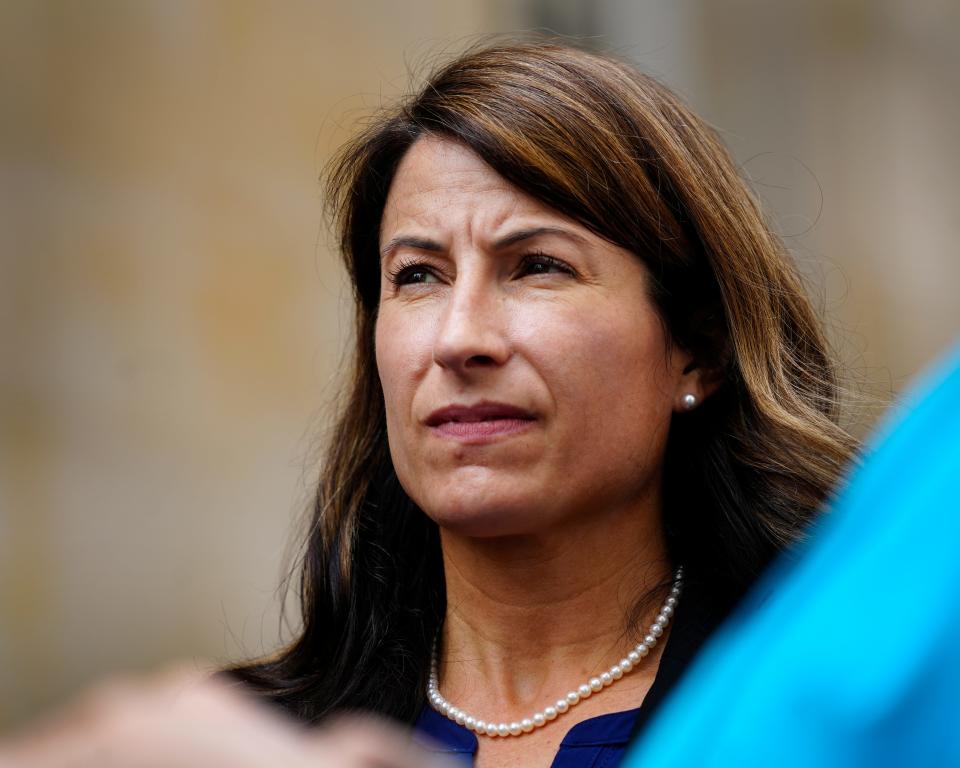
x,y
411,273
539,263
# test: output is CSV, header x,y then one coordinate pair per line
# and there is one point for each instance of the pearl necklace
x,y
574,697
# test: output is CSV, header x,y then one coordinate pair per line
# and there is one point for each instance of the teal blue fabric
x,y
852,658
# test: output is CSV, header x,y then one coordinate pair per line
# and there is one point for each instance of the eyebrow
x,y
527,234
406,241
425,244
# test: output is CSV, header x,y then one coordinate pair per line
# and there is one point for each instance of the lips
x,y
483,411
480,421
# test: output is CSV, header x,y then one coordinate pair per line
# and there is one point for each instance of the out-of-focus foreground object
x,y
179,719
847,654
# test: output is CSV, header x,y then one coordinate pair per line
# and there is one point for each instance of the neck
x,y
529,616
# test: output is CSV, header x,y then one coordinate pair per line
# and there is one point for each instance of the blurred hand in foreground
x,y
184,719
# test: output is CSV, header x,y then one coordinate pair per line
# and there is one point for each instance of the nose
x,y
472,334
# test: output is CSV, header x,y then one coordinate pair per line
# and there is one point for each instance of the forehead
x,y
441,182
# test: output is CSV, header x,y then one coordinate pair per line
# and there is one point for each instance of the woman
x,y
582,360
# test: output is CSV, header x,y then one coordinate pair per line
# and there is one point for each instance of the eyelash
x,y
408,267
404,269
539,257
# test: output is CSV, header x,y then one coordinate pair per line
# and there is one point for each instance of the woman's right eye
x,y
412,274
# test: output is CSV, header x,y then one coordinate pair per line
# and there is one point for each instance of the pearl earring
x,y
689,401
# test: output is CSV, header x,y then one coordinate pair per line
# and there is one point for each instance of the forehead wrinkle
x,y
456,196
513,214
465,218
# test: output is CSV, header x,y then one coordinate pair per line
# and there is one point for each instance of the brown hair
x,y
617,151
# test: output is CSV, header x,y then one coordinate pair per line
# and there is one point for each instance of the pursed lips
x,y
479,422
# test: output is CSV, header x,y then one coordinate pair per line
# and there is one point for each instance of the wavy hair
x,y
615,150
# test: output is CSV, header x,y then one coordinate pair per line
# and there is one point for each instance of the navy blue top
x,y
599,742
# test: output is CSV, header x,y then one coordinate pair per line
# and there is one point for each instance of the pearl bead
x,y
656,630
596,684
615,672
470,722
650,641
572,698
606,678
584,691
526,725
503,729
666,611
515,729
492,730
480,726
559,708
539,718
670,602
662,619
643,649
633,656
460,717
625,665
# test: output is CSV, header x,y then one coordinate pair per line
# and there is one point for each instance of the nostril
x,y
480,360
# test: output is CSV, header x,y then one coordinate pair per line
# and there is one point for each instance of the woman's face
x,y
527,378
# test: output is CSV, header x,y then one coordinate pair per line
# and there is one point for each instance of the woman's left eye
x,y
541,264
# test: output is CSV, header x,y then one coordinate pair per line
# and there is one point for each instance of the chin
x,y
484,516
478,501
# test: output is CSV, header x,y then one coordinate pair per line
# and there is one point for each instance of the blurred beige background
x,y
172,314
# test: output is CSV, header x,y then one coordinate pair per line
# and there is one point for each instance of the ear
x,y
694,385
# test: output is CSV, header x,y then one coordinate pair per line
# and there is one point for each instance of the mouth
x,y
478,422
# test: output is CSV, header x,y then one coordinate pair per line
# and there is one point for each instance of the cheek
x,y
399,345
384,352
609,375
403,356
391,367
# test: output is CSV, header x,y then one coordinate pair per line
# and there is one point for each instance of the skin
x,y
183,719
550,531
